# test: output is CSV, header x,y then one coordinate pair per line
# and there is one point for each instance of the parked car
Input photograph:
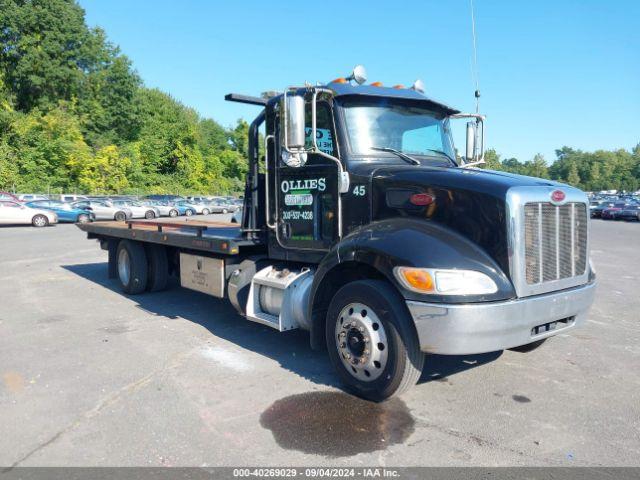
x,y
164,198
104,210
168,209
29,197
138,210
71,197
223,206
611,213
596,212
65,211
631,212
8,196
200,208
237,216
14,213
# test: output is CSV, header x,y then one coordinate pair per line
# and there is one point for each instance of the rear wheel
x,y
189,212
205,211
173,213
120,216
158,274
529,347
224,210
149,215
371,340
83,218
132,267
39,221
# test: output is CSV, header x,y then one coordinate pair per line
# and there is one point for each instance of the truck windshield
x,y
412,130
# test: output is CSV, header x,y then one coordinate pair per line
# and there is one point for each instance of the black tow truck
x,y
362,225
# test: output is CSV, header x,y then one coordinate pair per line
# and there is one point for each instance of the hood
x,y
489,182
471,202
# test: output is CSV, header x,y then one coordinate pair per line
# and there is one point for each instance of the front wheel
x,y
371,340
149,215
173,213
188,213
205,211
83,218
120,216
225,211
40,221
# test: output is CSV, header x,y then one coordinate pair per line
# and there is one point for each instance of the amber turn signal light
x,y
416,279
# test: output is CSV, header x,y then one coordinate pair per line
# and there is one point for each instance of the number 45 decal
x,y
359,191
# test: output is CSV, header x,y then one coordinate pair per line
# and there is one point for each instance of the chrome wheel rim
x,y
40,221
83,219
361,341
173,213
188,213
123,266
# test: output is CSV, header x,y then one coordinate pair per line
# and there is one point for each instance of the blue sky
x,y
552,73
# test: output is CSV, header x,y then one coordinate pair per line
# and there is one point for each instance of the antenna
x,y
474,66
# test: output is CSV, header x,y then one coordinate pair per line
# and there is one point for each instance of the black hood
x,y
469,201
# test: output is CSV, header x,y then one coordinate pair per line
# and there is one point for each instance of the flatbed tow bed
x,y
194,234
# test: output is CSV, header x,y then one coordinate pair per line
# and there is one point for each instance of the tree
x,y
573,178
46,50
104,173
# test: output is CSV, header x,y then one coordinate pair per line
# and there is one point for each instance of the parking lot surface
x,y
92,377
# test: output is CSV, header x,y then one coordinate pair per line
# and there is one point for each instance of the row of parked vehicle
x,y
40,210
615,207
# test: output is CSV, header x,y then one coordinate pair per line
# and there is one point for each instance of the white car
x,y
165,209
30,197
104,210
138,210
14,213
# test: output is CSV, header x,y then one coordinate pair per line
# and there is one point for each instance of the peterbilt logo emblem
x,y
558,196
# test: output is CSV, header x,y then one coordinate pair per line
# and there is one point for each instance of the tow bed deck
x,y
195,234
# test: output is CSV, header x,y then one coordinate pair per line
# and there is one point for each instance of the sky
x,y
551,73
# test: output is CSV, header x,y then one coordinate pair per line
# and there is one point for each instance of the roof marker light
x,y
377,84
339,80
418,86
399,86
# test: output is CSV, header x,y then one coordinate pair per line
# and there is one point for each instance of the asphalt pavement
x,y
92,377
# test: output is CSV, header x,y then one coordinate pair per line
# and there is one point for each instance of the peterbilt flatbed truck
x,y
363,226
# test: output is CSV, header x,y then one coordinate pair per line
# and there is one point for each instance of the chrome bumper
x,y
487,327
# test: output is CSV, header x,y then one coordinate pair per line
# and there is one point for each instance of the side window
x,y
324,129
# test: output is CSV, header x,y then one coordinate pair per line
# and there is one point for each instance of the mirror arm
x,y
343,178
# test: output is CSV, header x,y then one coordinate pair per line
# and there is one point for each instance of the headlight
x,y
445,282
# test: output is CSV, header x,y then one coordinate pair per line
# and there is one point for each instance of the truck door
x,y
307,196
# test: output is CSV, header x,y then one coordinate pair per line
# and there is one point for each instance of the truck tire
x,y
132,267
529,347
158,274
371,340
39,221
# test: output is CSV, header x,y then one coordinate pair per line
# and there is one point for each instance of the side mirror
x,y
294,122
471,142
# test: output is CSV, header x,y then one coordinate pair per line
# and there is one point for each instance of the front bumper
x,y
487,327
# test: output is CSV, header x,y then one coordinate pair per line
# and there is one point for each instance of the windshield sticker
x,y
324,140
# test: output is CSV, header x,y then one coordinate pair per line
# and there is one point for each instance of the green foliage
x,y
593,171
75,116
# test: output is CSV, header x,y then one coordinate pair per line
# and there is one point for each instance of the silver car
x,y
164,208
138,210
104,210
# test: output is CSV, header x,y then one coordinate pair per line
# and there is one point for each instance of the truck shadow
x,y
290,349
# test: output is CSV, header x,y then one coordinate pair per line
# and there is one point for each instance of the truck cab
x,y
362,225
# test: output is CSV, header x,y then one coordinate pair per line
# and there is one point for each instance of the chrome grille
x,y
555,241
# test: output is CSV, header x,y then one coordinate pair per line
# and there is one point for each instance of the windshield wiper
x,y
400,154
442,153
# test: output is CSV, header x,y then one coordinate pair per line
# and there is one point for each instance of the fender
x,y
386,244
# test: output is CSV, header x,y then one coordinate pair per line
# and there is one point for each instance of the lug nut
x,y
361,329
